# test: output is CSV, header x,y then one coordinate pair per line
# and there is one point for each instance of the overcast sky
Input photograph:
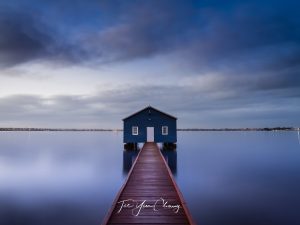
x,y
88,64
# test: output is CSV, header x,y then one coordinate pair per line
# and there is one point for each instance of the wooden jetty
x,y
150,194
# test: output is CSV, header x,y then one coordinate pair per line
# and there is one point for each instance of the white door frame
x,y
150,134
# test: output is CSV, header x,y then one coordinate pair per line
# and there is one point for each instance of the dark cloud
x,y
247,39
141,29
26,37
21,39
206,35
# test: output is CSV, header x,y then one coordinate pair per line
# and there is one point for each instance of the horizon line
x,y
178,129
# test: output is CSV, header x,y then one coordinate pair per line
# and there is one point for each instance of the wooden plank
x,y
150,194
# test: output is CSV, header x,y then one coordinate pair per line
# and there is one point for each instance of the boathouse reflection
x,y
128,158
171,158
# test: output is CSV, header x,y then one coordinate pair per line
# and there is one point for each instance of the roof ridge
x,y
149,106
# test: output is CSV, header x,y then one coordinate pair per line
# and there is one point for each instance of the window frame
x,y
166,129
135,130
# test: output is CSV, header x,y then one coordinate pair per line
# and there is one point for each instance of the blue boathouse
x,y
150,125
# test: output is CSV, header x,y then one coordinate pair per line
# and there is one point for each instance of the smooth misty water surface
x,y
227,178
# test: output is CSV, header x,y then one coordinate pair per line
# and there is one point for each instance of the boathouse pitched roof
x,y
150,107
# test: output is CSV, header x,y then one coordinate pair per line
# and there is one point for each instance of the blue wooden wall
x,y
149,117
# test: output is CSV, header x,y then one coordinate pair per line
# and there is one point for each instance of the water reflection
x,y
58,177
171,158
248,178
130,155
128,158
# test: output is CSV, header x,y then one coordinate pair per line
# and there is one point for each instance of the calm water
x,y
227,178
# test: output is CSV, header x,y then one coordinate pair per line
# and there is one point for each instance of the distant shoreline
x,y
180,129
54,129
243,129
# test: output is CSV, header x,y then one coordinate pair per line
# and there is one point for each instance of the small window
x,y
164,130
135,130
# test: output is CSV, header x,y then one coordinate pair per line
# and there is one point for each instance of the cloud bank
x,y
239,59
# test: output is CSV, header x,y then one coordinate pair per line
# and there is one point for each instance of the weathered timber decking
x,y
151,184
